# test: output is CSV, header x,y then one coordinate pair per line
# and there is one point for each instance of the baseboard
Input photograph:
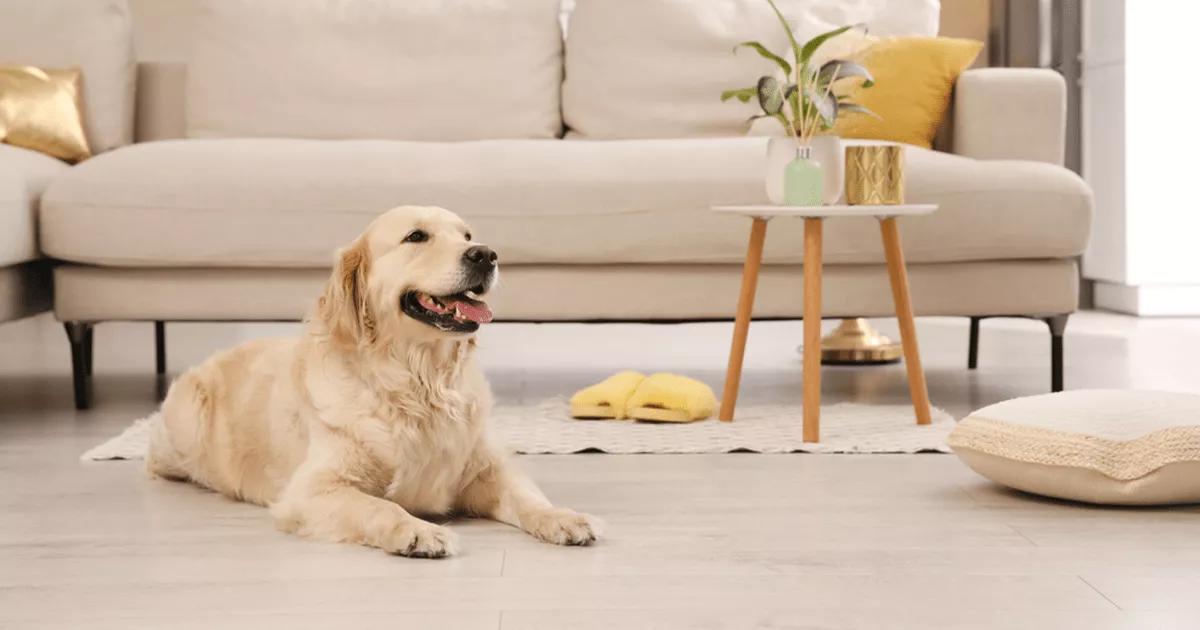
x,y
1153,300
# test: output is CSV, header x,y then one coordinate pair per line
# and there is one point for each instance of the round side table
x,y
814,217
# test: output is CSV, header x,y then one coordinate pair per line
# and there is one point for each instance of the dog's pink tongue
x,y
477,312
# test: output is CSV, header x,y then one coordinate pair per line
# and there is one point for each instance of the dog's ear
x,y
344,307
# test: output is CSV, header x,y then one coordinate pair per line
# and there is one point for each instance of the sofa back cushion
x,y
656,68
390,69
93,35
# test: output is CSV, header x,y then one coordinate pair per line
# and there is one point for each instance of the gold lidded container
x,y
875,175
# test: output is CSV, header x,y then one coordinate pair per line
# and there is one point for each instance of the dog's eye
x,y
467,236
417,236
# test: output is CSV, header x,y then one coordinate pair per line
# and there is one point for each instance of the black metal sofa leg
x,y
80,336
161,383
1058,325
160,348
973,344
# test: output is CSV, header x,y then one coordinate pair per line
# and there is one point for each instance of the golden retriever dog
x,y
376,415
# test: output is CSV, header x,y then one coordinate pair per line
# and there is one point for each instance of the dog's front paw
x,y
419,539
561,527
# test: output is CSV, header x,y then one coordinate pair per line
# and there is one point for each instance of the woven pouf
x,y
1099,446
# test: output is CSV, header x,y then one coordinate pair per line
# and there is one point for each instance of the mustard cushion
x,y
41,110
914,78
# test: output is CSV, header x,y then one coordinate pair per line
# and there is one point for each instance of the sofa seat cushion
x,y
24,175
280,202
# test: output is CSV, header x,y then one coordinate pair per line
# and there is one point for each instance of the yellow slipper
x,y
606,400
671,398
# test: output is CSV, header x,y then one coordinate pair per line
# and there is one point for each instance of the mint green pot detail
x,y
803,180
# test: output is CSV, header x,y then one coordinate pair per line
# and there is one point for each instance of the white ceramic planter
x,y
780,151
826,150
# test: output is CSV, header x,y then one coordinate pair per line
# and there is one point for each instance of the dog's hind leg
x,y
177,435
161,458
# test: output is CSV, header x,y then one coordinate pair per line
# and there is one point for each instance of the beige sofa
x,y
259,157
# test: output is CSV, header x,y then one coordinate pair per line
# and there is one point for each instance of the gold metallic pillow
x,y
41,110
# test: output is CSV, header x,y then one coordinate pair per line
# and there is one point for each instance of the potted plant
x,y
805,103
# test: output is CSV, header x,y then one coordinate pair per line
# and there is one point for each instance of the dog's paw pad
x,y
561,526
423,540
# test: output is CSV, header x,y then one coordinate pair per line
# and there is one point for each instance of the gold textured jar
x,y
875,175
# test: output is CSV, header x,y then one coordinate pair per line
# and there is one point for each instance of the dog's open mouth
x,y
461,312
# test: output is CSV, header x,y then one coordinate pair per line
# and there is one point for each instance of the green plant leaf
x,y
787,124
772,94
794,101
744,94
787,28
762,50
839,69
779,117
826,104
811,46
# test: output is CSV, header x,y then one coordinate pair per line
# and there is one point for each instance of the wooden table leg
x,y
812,329
898,274
741,326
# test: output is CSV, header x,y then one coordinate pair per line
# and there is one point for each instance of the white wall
x,y
1103,137
1139,152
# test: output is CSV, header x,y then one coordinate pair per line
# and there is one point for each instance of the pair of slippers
x,y
634,396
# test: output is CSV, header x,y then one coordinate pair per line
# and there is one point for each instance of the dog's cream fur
x,y
366,421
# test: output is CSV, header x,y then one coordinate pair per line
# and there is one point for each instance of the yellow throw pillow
x,y
914,77
41,110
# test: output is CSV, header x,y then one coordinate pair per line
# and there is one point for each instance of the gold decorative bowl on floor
x,y
856,342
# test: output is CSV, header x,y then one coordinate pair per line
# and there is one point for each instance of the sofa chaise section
x,y
24,275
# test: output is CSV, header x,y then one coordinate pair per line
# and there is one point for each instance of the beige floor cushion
x,y
1099,446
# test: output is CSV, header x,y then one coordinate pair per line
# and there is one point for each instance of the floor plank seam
x,y
1022,534
1099,592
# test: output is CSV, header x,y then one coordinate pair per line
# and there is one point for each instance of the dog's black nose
x,y
480,256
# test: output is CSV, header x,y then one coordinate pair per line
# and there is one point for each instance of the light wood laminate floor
x,y
716,541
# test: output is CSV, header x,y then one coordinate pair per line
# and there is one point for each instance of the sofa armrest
x,y
1011,114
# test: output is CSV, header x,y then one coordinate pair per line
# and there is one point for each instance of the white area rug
x,y
546,428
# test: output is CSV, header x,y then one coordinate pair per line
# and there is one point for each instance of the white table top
x,y
769,211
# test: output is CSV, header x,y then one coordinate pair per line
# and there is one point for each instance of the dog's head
x,y
415,273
